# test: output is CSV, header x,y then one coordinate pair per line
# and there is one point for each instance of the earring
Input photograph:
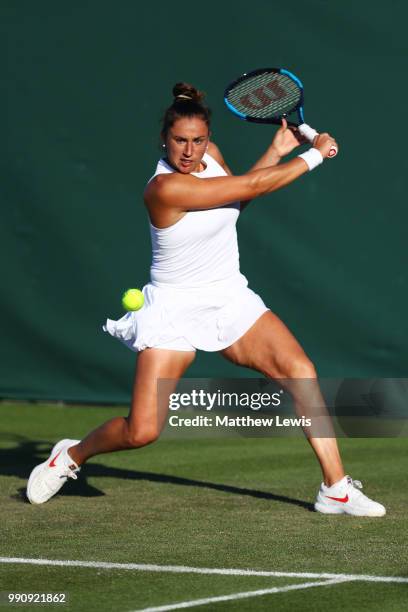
x,y
163,145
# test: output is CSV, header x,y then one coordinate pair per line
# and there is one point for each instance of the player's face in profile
x,y
186,143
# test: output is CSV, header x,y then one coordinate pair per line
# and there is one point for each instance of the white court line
x,y
183,569
245,595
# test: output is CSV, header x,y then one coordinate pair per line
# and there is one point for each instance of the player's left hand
x,y
286,139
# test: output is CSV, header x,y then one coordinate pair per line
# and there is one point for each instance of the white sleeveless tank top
x,y
201,248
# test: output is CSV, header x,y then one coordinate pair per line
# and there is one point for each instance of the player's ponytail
x,y
188,102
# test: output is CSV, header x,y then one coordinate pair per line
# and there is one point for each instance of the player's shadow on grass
x,y
19,461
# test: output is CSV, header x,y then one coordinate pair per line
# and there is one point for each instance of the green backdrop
x,y
84,86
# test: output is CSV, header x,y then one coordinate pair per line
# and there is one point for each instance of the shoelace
x,y
354,483
71,473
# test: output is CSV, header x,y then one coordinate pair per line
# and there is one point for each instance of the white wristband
x,y
312,157
308,132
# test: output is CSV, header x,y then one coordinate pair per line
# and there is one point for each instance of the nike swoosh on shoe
x,y
52,462
343,500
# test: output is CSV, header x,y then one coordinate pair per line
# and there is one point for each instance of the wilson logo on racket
x,y
263,96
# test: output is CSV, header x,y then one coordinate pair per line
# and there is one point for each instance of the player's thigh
x,y
270,348
156,375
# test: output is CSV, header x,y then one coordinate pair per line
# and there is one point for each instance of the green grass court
x,y
184,506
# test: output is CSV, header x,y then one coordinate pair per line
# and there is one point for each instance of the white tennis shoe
x,y
345,497
47,478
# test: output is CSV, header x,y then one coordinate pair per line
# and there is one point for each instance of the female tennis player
x,y
198,298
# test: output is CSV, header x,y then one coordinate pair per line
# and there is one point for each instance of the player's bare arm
x,y
284,142
169,196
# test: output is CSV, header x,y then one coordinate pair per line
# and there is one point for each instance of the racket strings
x,y
265,95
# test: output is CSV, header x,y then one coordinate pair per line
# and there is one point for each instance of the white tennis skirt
x,y
209,319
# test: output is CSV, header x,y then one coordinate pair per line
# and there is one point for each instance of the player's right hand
x,y
325,143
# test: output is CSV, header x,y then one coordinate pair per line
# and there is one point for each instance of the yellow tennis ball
x,y
132,299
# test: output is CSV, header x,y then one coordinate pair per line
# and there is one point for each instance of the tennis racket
x,y
267,95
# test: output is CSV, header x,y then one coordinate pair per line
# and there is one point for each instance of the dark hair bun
x,y
188,102
184,92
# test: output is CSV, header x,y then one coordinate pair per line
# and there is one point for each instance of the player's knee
x,y
302,367
294,367
136,439
290,366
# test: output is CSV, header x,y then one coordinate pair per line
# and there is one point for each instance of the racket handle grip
x,y
310,134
